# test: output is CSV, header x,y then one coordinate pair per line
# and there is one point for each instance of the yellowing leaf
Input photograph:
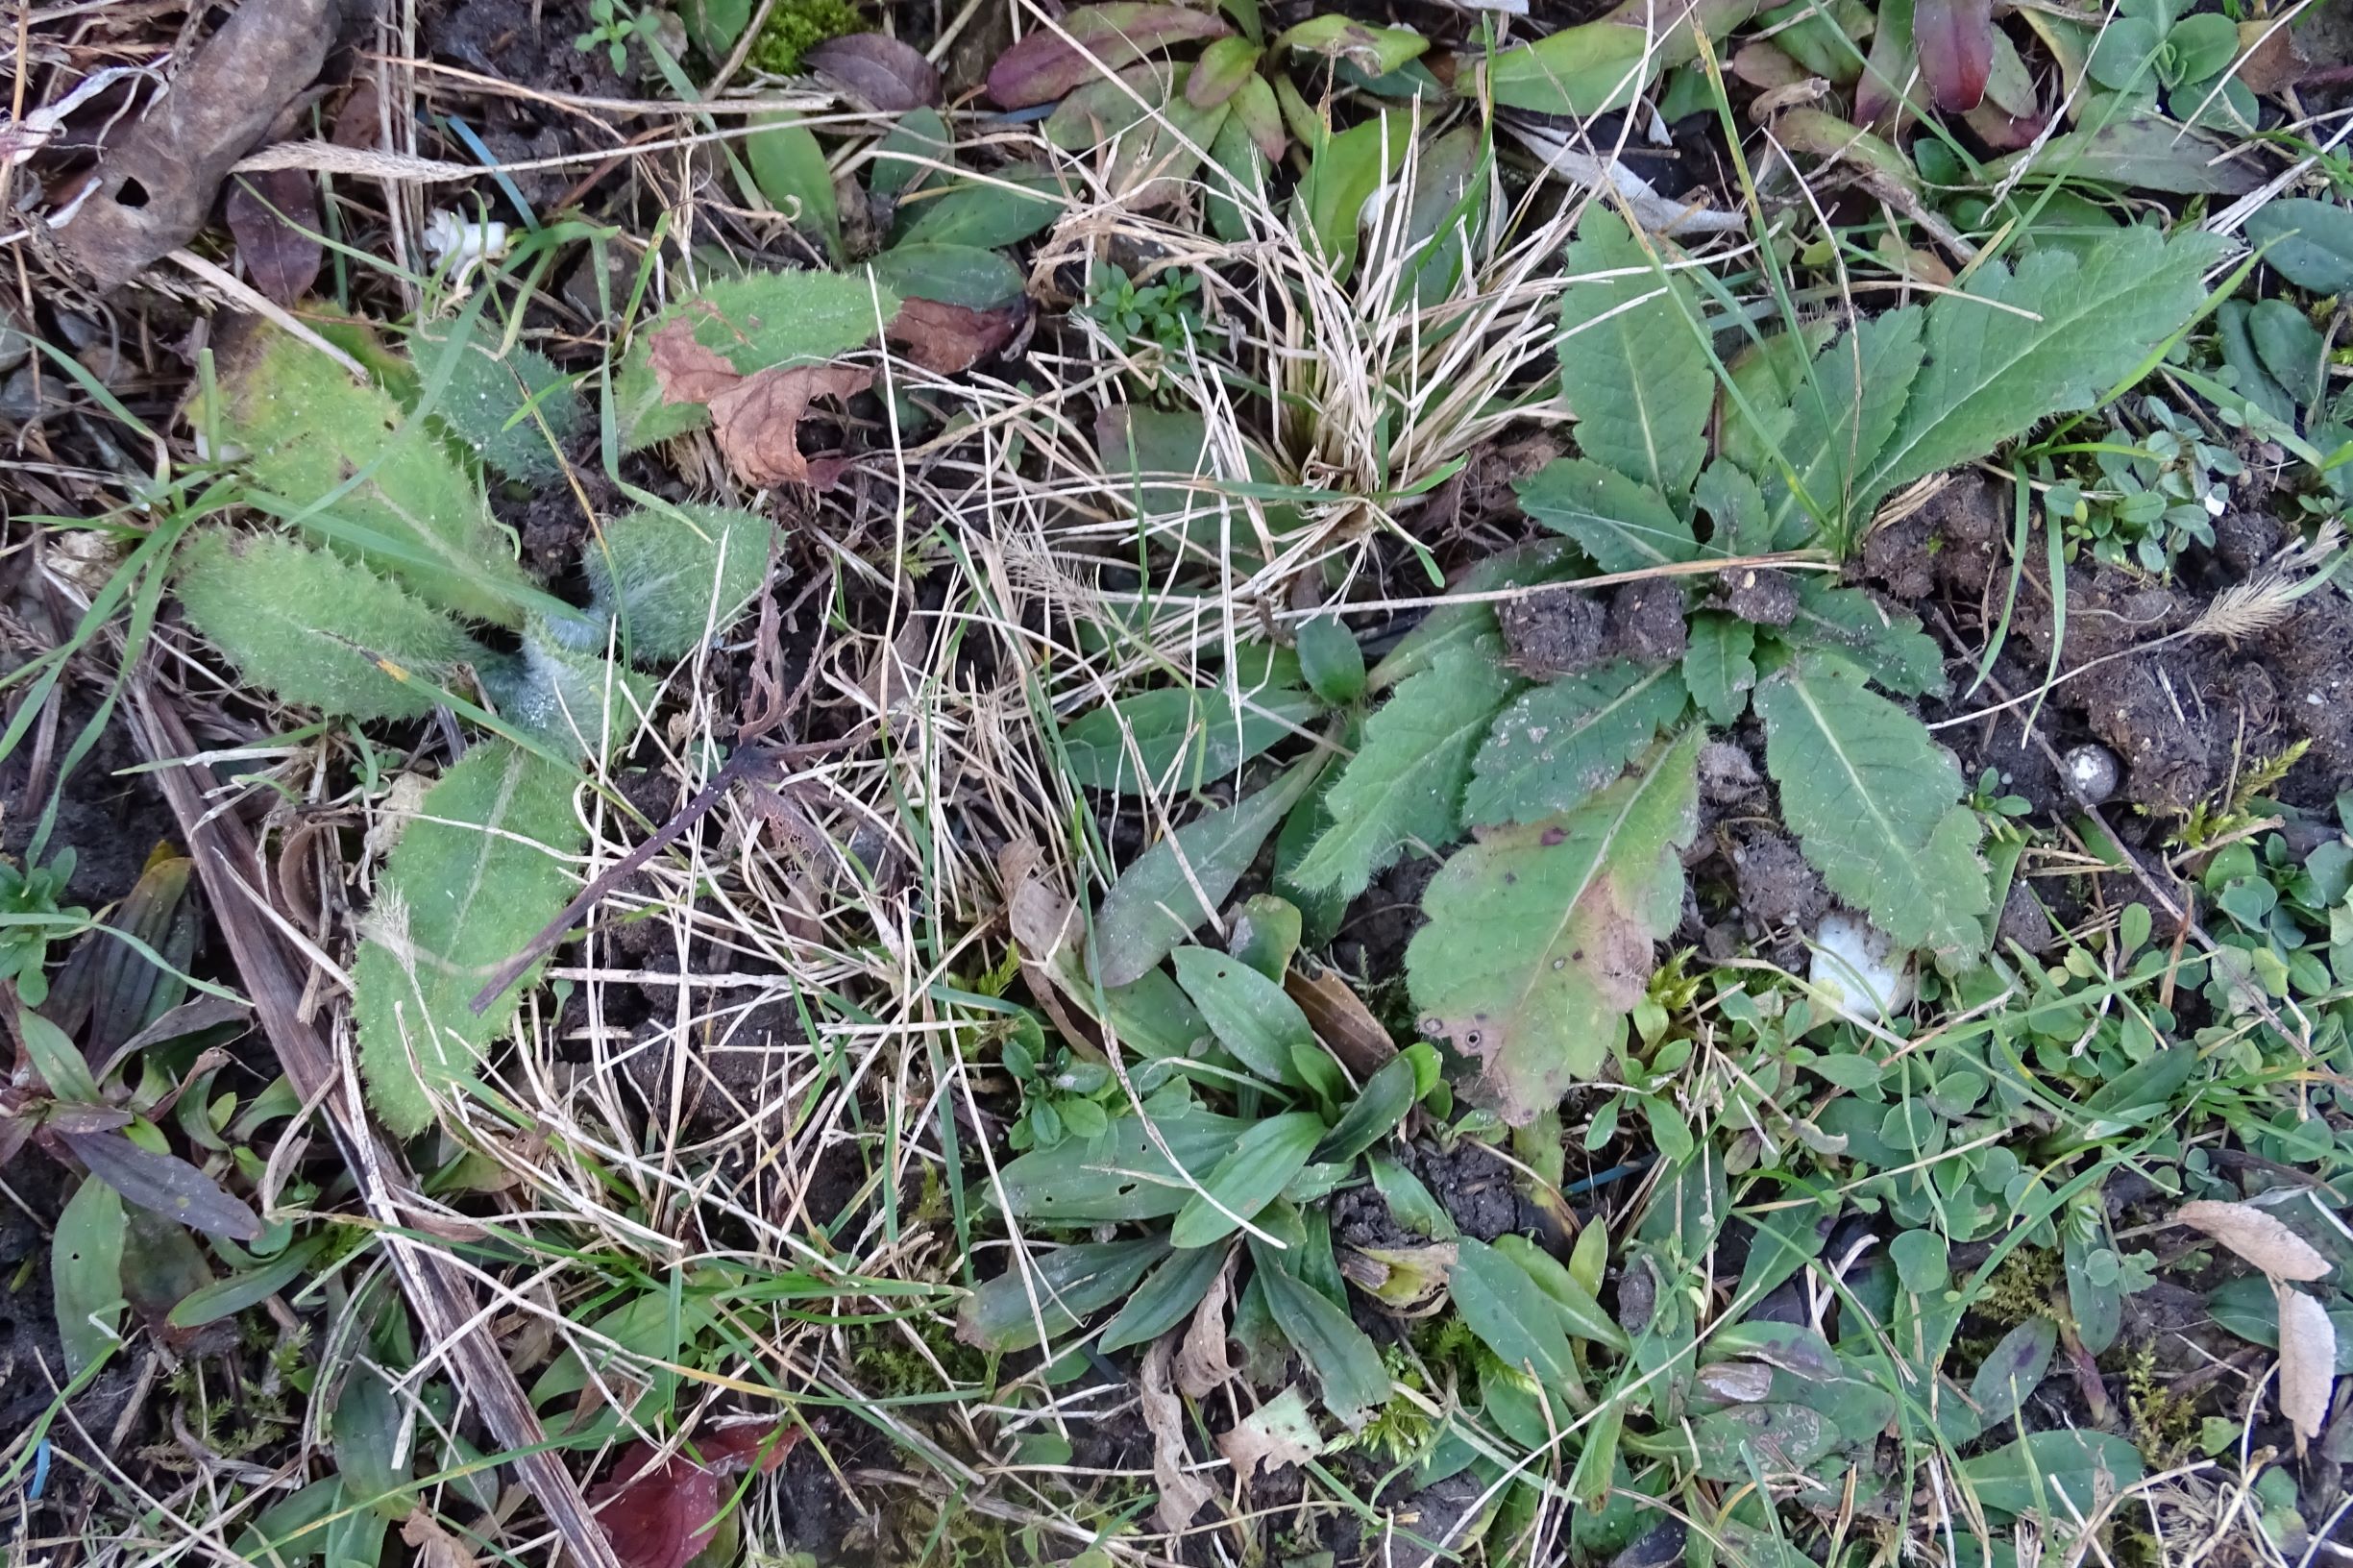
x,y
1539,937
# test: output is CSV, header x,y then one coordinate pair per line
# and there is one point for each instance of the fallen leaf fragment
x,y
947,338
1201,1364
2307,1362
273,216
686,371
661,1515
1183,1494
892,76
2259,1237
758,423
1090,41
1341,1019
1277,1433
435,1546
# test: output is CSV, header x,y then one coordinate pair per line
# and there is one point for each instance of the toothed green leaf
x,y
341,462
317,630
1720,665
1403,786
1539,936
756,321
1623,525
1876,804
675,577
2018,346
485,864
576,700
1634,371
1887,644
1836,423
1556,745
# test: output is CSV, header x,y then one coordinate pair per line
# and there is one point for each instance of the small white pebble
x,y
2092,775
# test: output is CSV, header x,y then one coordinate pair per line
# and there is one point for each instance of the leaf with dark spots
x,y
892,76
164,1183
1092,40
1955,43
947,338
1539,937
275,216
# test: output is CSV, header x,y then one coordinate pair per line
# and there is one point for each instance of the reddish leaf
x,y
275,216
758,423
2005,132
686,371
1101,39
1955,43
885,72
947,338
163,1183
662,1517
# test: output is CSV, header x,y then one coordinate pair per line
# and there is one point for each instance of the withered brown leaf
x,y
758,420
685,370
274,214
947,338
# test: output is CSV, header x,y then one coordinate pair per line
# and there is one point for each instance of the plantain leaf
x,y
1403,786
789,167
1720,665
1346,1365
1511,1315
486,866
1635,370
1123,1174
1057,1291
1250,1015
1558,745
317,630
1164,1300
1876,804
1166,891
2016,346
1261,1165
1180,738
1539,936
1623,524
86,1261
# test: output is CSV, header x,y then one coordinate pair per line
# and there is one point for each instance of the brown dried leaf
x,y
1092,40
2274,57
892,76
947,338
1277,1433
1201,1364
685,370
274,216
758,420
1341,1019
435,1547
359,122
2259,1237
1181,1493
2307,1362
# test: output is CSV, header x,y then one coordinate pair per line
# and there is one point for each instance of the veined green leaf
x,y
1346,1365
1634,372
1539,936
1720,665
2018,346
1511,1315
1058,1291
1121,1175
1172,887
1403,786
1250,1015
1261,1165
1555,747
1887,643
1837,421
318,629
1164,1300
86,1260
1876,804
1379,1107
485,864
1182,738
1623,524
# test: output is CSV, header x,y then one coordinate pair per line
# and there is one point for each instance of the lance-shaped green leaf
x,y
1250,1015
1121,1175
2018,346
1836,422
1539,936
1164,1300
1623,524
676,576
1511,1315
483,867
343,464
1876,804
86,1260
1261,1165
1558,745
1057,1292
1720,665
1172,887
1179,737
1346,1363
1633,367
1403,786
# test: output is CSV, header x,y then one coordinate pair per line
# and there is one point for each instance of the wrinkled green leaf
x,y
1635,370
753,321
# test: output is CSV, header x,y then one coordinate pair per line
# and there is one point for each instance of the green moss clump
x,y
798,26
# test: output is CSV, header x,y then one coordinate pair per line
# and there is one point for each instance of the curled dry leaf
x,y
661,1515
892,76
1341,1019
1201,1364
755,417
2259,1237
2307,1362
947,338
275,217
1277,1433
1181,1493
435,1546
1090,42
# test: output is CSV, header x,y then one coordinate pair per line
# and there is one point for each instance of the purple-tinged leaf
x,y
1093,41
1955,42
165,1183
275,216
892,76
